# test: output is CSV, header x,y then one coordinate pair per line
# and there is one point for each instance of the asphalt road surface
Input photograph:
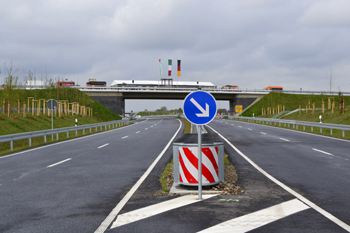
x,y
293,181
306,191
72,186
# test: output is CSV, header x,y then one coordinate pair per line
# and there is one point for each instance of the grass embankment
x,y
292,101
167,173
19,124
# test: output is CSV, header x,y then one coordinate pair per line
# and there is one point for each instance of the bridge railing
x,y
29,135
295,124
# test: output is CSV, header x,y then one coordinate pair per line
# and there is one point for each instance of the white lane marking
x,y
249,129
104,225
291,191
125,137
259,218
152,126
59,162
322,151
155,209
284,139
262,133
240,126
146,129
232,124
103,145
138,132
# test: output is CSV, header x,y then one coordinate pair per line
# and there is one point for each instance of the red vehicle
x,y
274,88
65,84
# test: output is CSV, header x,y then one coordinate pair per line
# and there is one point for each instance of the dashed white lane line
x,y
125,137
232,124
288,189
103,145
59,162
155,209
263,133
259,218
249,129
324,152
138,132
104,225
284,139
240,126
146,129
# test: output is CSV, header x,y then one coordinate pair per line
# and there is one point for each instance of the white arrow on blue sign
x,y
199,107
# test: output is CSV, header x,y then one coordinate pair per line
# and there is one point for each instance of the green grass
x,y
100,112
19,124
291,102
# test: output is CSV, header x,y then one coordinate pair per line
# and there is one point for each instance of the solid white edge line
x,y
291,191
126,198
59,162
297,131
322,151
103,145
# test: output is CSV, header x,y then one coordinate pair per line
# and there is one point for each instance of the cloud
x,y
326,13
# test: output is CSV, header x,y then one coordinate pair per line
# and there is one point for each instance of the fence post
x,y
57,137
312,129
321,129
30,142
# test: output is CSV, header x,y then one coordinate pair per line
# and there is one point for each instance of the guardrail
x,y
44,133
295,123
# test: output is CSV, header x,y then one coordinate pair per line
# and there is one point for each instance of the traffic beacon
x,y
199,108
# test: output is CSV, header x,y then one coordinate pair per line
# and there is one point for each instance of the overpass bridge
x,y
114,97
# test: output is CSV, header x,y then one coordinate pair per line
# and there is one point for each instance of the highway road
x,y
302,186
293,181
73,185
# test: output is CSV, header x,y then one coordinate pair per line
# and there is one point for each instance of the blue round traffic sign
x,y
199,107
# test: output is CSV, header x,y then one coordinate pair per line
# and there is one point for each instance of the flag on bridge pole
x,y
178,68
169,65
160,67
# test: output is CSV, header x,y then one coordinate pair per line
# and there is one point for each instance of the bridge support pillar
x,y
113,101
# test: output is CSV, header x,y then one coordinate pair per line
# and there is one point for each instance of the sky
x,y
290,43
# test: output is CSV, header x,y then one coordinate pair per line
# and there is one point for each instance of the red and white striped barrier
x,y
188,165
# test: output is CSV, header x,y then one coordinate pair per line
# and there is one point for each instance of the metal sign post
x,y
52,104
197,114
